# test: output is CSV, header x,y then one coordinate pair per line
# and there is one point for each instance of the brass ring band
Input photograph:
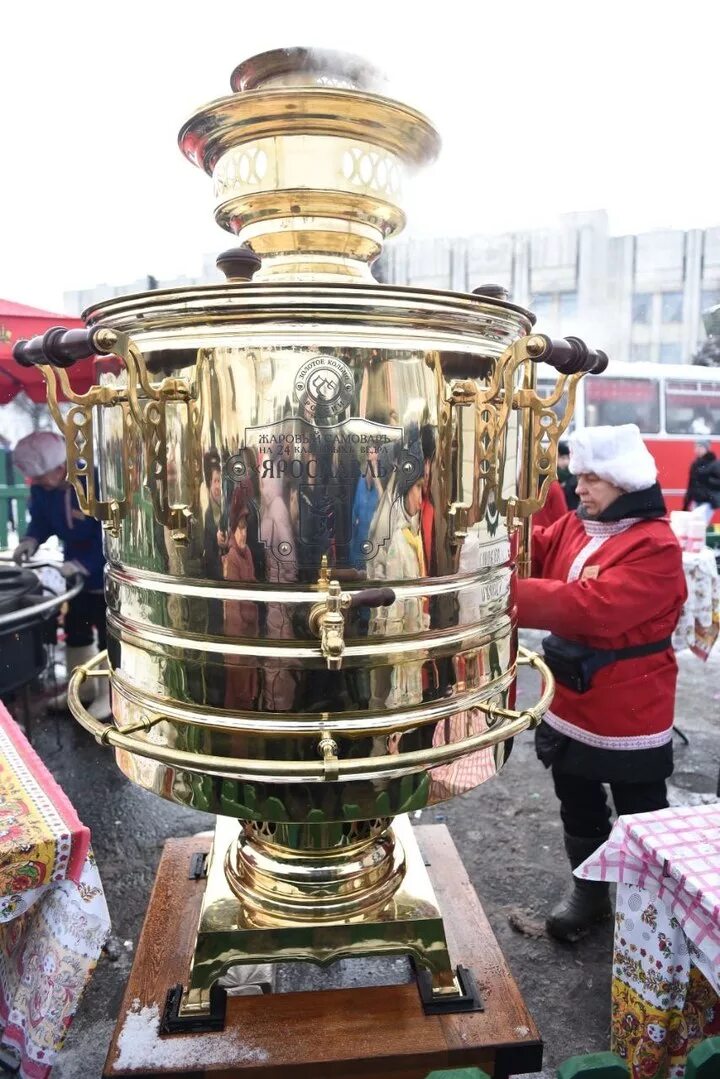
x,y
511,723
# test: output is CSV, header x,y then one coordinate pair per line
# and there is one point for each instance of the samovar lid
x,y
302,66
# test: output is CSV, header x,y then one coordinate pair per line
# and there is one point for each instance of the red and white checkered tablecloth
x,y
674,853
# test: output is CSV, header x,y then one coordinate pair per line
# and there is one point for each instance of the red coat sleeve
x,y
543,537
646,587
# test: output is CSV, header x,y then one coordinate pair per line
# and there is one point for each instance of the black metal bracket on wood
x,y
468,1000
198,866
172,1022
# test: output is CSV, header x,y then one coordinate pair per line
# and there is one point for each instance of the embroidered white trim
x,y
582,556
599,531
608,528
604,741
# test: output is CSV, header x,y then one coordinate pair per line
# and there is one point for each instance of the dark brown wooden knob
x,y
238,263
492,292
569,355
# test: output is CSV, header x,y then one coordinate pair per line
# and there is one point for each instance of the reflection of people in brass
x,y
427,510
316,524
241,616
365,503
281,567
405,560
213,536
244,495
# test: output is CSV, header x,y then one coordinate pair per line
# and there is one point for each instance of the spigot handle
x,y
568,355
58,347
373,597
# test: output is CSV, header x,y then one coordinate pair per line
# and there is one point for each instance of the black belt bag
x,y
574,665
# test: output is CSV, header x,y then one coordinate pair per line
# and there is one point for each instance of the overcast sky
x,y
543,107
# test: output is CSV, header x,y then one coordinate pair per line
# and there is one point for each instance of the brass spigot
x,y
326,618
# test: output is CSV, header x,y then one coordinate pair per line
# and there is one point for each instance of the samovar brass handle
x,y
504,723
327,621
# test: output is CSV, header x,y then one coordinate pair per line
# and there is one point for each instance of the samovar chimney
x,y
308,162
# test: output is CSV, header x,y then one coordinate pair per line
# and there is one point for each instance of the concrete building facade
x,y
640,296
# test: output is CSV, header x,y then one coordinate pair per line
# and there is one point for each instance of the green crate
x,y
595,1066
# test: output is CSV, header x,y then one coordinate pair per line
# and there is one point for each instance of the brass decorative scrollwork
x,y
146,405
78,430
149,403
540,431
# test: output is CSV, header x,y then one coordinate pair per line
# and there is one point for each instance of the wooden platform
x,y
378,1032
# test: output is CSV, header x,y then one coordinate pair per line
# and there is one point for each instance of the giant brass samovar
x,y
315,490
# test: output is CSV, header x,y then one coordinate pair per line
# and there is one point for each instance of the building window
x,y
623,400
640,353
568,304
671,308
542,304
642,307
671,353
709,298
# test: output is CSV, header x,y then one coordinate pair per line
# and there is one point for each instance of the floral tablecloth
x,y
53,916
699,623
666,959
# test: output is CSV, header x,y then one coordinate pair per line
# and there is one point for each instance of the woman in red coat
x,y
608,584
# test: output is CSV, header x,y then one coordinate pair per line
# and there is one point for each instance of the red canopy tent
x,y
17,321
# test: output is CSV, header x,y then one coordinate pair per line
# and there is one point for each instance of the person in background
x,y
554,508
54,511
608,583
703,490
701,423
567,481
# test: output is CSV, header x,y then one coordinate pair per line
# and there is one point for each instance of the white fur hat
x,y
39,452
615,454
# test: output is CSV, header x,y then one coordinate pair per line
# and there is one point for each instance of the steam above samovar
x,y
315,490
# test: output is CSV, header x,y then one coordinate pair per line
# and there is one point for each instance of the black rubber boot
x,y
589,901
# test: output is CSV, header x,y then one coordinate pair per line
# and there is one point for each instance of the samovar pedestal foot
x,y
254,912
377,1028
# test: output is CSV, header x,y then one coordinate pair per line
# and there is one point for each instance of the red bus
x,y
674,405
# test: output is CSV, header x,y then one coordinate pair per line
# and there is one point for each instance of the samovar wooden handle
x,y
568,355
372,597
58,347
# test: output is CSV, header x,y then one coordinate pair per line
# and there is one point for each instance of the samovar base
x,y
230,934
